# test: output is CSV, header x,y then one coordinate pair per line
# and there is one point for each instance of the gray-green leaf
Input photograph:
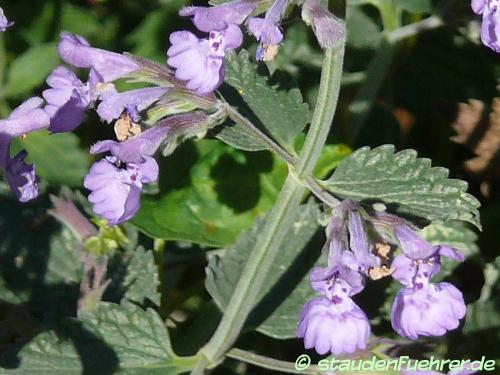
x,y
38,257
286,287
141,281
406,184
113,339
282,113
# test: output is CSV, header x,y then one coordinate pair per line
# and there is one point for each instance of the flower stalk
x,y
278,220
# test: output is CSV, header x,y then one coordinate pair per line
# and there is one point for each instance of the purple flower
x,y
267,30
466,370
324,278
116,187
201,61
108,66
26,118
348,245
218,18
360,245
134,149
67,100
116,181
4,23
423,308
478,6
114,103
415,247
147,142
327,28
22,178
336,325
419,253
490,30
427,310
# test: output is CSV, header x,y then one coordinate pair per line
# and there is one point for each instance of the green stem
x,y
279,219
159,255
311,183
414,28
290,368
391,15
242,120
326,105
251,280
270,363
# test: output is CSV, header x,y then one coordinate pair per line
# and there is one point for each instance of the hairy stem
x,y
270,363
325,109
414,28
274,146
277,224
295,368
310,182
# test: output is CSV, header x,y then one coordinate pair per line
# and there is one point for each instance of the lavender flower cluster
x,y
200,62
334,323
116,181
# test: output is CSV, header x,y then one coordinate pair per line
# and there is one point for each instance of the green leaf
x,y
30,69
282,113
483,317
362,31
331,156
287,286
213,199
113,339
40,260
456,234
453,233
46,354
11,296
137,337
58,158
141,280
406,184
238,136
